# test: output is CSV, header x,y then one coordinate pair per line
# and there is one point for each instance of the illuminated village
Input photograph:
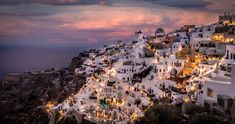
x,y
192,64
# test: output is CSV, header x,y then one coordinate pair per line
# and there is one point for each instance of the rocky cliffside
x,y
77,61
24,95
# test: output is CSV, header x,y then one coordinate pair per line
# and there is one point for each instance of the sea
x,y
19,59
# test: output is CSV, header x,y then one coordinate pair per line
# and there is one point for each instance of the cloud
x,y
170,3
186,4
109,17
23,14
55,2
179,3
221,5
212,5
92,24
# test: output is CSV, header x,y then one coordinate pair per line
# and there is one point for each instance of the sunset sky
x,y
36,34
87,22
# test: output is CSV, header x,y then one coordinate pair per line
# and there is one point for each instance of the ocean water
x,y
21,59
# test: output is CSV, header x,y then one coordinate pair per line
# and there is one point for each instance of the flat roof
x,y
222,78
219,79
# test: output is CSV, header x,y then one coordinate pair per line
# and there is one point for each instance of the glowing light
x,y
180,49
102,84
186,99
193,88
49,105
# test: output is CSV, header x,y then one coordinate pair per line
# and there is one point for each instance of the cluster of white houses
x,y
149,68
217,83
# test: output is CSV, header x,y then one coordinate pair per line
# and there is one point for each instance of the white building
x,y
139,36
206,66
161,70
220,90
159,35
220,83
230,54
176,46
203,33
171,63
127,69
183,37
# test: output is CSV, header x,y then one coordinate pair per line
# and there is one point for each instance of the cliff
x,y
24,95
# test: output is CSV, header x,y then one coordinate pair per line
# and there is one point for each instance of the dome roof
x,y
159,30
138,32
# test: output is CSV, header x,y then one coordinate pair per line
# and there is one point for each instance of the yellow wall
x,y
221,38
229,23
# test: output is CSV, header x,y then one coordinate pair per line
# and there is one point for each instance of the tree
x,y
204,119
162,114
192,109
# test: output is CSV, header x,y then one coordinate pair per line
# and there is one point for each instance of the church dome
x,y
159,30
138,32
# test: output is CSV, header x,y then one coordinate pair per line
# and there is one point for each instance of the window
x,y
200,86
177,64
209,92
200,35
220,102
227,57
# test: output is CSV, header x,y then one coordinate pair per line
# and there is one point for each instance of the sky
x,y
37,34
91,22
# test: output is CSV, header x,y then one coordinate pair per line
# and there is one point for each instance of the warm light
x,y
49,105
193,88
113,72
180,49
155,61
231,39
61,112
102,84
132,88
170,67
186,99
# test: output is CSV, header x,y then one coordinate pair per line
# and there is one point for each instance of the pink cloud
x,y
221,5
95,23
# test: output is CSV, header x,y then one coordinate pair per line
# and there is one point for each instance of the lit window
x,y
209,92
